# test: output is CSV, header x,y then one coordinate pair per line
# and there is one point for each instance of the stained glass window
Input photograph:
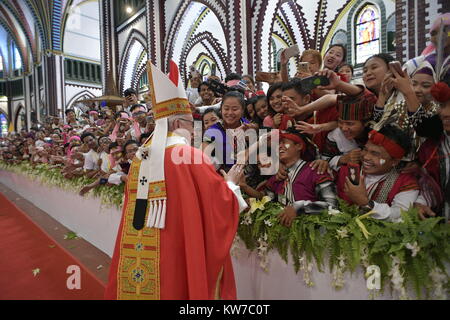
x,y
367,33
3,125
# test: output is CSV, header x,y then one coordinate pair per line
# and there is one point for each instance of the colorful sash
x,y
138,276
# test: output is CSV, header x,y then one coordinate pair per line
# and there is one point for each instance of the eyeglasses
x,y
191,121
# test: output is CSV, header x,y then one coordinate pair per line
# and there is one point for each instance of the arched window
x,y
367,33
391,33
340,37
17,59
143,82
21,119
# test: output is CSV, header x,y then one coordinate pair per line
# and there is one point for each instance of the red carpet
x,y
24,247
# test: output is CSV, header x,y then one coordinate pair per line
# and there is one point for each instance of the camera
x,y
218,87
312,82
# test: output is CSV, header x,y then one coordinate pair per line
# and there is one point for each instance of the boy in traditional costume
x,y
381,186
304,190
179,217
344,144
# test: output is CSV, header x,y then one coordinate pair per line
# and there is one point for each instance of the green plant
x,y
110,196
412,253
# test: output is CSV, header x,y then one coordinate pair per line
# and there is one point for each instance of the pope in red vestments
x,y
201,222
179,217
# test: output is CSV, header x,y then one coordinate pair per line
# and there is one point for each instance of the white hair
x,y
171,120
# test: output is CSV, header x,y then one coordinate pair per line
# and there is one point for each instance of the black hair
x,y
131,141
204,83
347,65
246,113
295,84
233,76
309,154
209,110
144,136
250,77
400,137
344,50
113,145
237,89
137,105
60,131
383,56
118,114
254,100
129,92
101,137
234,94
69,110
276,86
87,134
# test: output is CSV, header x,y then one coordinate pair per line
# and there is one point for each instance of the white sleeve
x,y
333,163
421,200
204,108
105,164
402,201
115,178
88,162
237,192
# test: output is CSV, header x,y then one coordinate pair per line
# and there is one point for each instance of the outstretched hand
x,y
332,77
235,174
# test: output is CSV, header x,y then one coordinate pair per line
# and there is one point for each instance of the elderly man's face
x,y
184,126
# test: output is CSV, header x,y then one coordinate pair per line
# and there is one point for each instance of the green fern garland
x,y
318,237
326,236
110,196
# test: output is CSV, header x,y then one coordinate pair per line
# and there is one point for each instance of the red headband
x,y
394,150
294,138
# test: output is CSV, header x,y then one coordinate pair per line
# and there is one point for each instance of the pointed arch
x,y
42,24
20,43
215,51
217,7
85,94
135,41
41,28
17,114
264,22
20,19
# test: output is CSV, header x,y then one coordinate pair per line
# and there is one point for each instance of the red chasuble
x,y
190,257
